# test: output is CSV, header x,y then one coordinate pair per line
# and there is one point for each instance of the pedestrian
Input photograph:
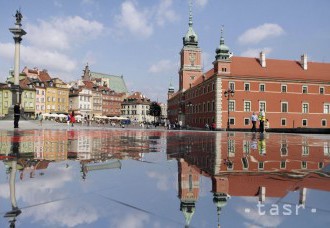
x,y
180,124
40,118
72,118
17,115
267,124
68,119
213,126
262,118
254,119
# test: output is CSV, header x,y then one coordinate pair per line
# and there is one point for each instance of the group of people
x,y
263,122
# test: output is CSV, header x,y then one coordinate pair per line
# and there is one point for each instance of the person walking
x,y
40,118
17,115
262,118
254,119
267,125
72,118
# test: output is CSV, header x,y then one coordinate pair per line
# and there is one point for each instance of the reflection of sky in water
x,y
158,171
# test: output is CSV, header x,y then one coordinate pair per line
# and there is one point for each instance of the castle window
x,y
305,108
324,123
262,87
321,90
247,86
326,108
284,106
247,106
304,123
232,86
224,69
283,88
262,105
304,89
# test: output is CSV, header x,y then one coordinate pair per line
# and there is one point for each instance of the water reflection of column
x,y
12,180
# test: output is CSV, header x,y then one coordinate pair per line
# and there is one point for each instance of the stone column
x,y
18,32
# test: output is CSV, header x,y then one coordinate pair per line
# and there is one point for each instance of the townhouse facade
x,y
28,97
294,94
5,99
136,108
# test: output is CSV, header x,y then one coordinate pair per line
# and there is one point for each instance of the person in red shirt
x,y
72,118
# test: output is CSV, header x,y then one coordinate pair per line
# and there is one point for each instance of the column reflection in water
x,y
11,165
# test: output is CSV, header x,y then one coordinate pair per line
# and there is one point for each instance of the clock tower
x,y
190,63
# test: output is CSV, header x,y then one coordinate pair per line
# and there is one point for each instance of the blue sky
x,y
141,39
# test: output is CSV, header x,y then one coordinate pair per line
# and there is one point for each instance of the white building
x,y
136,108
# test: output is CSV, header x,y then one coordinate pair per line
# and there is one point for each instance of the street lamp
x,y
228,93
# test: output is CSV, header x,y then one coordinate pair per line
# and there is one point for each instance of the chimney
x,y
262,59
303,61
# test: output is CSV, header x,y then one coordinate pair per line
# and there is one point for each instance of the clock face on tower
x,y
192,57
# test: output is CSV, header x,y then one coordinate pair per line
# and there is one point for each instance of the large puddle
x,y
150,178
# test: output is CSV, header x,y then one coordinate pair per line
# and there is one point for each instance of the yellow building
x,y
5,99
57,96
28,97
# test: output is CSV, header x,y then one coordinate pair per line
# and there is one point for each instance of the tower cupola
x,y
191,38
222,51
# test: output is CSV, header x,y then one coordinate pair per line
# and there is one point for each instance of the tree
x,y
155,110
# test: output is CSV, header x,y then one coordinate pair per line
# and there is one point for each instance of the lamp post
x,y
228,93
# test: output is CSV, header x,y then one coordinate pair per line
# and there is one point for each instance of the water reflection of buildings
x,y
246,164
91,148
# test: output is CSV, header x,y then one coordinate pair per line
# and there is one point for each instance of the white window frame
x,y
263,108
325,121
287,106
304,89
321,87
249,105
247,86
231,85
260,87
286,88
282,121
326,110
302,107
302,123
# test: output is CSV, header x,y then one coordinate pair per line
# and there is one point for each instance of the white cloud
x,y
162,180
134,21
258,219
58,64
201,3
162,66
136,220
165,13
255,52
62,33
260,33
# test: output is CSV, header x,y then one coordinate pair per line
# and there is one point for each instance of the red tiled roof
x,y
44,76
89,84
24,83
280,69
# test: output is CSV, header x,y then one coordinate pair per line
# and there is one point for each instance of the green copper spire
x,y
191,38
222,52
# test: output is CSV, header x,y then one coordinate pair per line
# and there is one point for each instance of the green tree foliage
x,y
155,109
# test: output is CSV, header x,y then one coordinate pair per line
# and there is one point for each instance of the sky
x,y
142,39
